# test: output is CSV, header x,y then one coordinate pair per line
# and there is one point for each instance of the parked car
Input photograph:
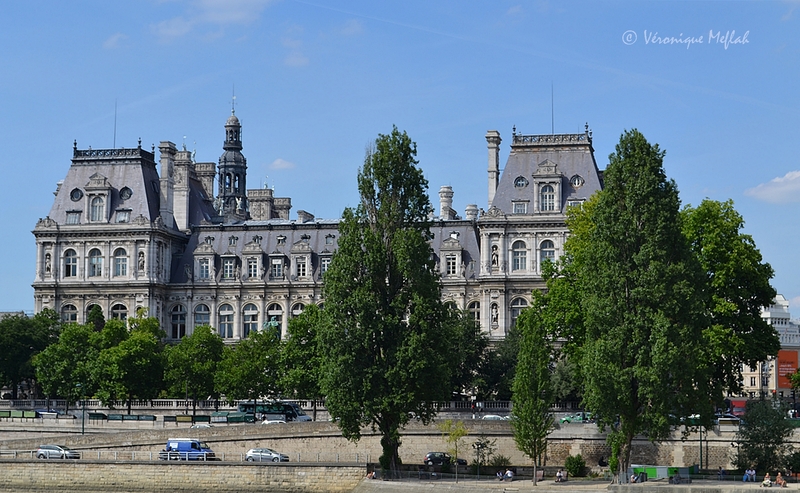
x,y
493,417
200,425
440,458
56,452
273,422
265,455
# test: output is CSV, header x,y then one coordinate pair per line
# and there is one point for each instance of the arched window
x,y
95,263
69,314
547,198
517,305
70,264
202,315
547,252
89,310
119,312
178,321
225,321
474,310
250,319
519,256
96,209
275,318
297,309
451,306
120,262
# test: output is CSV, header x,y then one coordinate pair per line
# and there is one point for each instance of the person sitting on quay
x,y
559,476
780,481
750,474
767,481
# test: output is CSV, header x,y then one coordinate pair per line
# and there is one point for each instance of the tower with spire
x,y
231,202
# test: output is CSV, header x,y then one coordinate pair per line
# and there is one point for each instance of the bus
x,y
273,410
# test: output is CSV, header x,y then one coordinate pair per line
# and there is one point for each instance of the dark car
x,y
441,458
56,452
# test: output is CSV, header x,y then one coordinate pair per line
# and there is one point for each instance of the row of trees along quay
x,y
649,314
657,306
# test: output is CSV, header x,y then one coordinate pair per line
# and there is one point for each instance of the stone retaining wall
x,y
97,476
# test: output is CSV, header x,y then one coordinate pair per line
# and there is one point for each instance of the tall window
x,y
520,207
252,267
120,262
96,209
519,256
276,269
324,265
69,314
547,252
178,321
297,309
547,198
202,315
250,319
517,305
227,268
451,266
95,263
226,321
275,318
474,310
73,217
119,312
301,267
205,271
70,264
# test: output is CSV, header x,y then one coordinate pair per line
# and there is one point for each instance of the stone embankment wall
x,y
322,442
98,476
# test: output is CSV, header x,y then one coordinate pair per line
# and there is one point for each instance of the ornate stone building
x,y
124,236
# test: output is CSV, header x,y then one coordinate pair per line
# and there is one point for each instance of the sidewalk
x,y
549,486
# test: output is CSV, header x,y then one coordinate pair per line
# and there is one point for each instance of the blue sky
x,y
714,83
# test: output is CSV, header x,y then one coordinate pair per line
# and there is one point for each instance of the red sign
x,y
787,364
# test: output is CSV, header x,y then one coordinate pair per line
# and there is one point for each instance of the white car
x,y
493,417
265,455
274,422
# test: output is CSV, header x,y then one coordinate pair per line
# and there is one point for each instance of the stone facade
x,y
123,236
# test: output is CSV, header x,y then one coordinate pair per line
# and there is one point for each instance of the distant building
x,y
769,378
192,245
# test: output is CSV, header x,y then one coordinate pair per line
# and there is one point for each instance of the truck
x,y
186,449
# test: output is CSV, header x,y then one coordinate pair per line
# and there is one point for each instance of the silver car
x,y
265,455
56,452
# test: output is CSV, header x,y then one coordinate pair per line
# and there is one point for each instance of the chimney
x,y
168,151
446,202
471,212
493,140
304,217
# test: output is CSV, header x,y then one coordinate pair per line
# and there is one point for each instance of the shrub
x,y
575,465
500,461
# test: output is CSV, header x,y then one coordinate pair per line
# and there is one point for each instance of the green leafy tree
x,y
566,380
737,287
133,369
626,300
21,339
468,351
762,437
252,369
386,341
497,371
452,433
192,364
302,357
95,318
64,368
533,397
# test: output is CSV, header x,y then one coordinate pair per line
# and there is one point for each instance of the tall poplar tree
x,y
385,341
533,393
637,332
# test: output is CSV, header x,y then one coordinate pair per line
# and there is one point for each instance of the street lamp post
x,y
83,408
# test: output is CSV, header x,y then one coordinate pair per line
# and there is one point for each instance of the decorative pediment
x,y
204,249
252,248
301,246
494,213
97,182
451,244
547,167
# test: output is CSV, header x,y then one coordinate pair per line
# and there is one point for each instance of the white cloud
x,y
515,10
114,41
214,13
351,28
781,190
794,302
295,58
281,164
